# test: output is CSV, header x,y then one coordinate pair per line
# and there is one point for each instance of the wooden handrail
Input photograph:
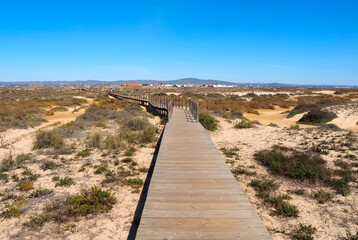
x,y
164,103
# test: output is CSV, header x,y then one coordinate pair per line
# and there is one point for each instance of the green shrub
x,y
299,191
143,169
30,175
128,135
208,121
4,176
244,123
130,152
88,202
127,160
65,182
48,138
55,178
292,163
14,210
48,164
84,153
147,135
135,182
317,117
240,170
295,127
282,207
101,124
112,142
263,188
36,221
229,152
100,170
135,124
322,196
95,140
351,156
304,232
21,158
7,164
341,186
40,192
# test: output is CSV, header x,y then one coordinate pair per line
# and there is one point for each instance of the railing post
x,y
197,112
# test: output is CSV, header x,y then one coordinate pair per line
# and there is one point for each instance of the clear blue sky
x,y
288,41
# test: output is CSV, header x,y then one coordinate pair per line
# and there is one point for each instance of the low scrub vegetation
x,y
9,162
48,138
64,182
315,103
240,170
292,163
14,209
30,112
135,182
317,117
229,152
244,123
264,190
92,202
40,192
48,165
208,121
304,232
235,104
322,196
306,165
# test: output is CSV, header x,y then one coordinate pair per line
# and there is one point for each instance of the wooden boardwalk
x,y
192,193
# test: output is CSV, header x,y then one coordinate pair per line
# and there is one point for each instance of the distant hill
x,y
182,81
194,81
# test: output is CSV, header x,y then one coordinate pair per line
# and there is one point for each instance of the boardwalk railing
x,y
163,104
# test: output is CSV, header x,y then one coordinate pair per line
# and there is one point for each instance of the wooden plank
x,y
202,198
197,205
192,193
197,223
199,213
222,234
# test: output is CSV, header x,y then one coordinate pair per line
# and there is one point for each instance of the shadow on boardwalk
x,y
143,196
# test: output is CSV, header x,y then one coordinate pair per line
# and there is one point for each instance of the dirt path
x,y
17,141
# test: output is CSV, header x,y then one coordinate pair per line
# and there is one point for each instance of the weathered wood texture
x,y
192,193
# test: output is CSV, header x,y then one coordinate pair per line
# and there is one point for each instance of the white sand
x,y
329,219
347,116
276,116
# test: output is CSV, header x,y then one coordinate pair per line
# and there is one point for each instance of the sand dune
x,y
276,116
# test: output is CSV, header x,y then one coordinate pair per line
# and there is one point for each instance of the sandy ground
x,y
276,116
329,219
20,140
113,225
347,116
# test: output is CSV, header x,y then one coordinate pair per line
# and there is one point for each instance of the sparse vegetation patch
x,y
93,201
208,121
292,163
